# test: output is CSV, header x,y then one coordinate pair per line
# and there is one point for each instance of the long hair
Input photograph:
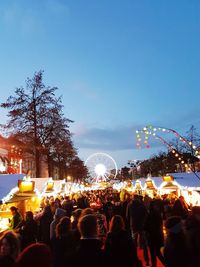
x,y
63,227
13,242
116,224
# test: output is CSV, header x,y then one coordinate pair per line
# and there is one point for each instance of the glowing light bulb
x,y
100,169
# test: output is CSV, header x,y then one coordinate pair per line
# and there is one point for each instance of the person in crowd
x,y
108,208
89,252
167,208
28,230
9,248
154,228
180,208
58,203
64,243
44,225
193,234
67,205
35,255
75,217
82,202
176,251
136,216
119,246
86,211
74,221
16,219
59,213
124,204
101,226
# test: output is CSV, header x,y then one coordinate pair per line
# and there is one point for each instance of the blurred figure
x,y
44,225
9,248
176,249
154,228
89,252
16,218
59,213
193,233
136,214
119,246
63,244
180,208
35,255
28,230
75,217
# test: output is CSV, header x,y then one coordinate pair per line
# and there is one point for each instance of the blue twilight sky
x,y
119,65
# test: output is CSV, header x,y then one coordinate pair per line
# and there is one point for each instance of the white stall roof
x,y
157,181
40,183
57,185
8,182
184,179
189,180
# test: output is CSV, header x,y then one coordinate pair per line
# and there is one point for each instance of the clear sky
x,y
119,65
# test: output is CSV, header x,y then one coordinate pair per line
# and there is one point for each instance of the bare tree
x,y
34,113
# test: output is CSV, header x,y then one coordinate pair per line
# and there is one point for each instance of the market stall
x,y
150,187
23,195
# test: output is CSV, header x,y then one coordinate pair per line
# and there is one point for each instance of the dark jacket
x,y
89,253
120,250
136,215
193,236
28,233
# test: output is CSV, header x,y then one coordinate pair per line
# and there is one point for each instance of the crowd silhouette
x,y
104,228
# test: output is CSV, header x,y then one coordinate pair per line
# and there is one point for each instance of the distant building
x,y
14,159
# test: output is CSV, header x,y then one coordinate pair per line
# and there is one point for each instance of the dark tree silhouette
x,y
35,115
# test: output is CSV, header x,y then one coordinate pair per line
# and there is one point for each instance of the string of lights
x,y
150,130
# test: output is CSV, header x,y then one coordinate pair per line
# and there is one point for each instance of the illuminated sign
x,y
50,186
26,186
168,178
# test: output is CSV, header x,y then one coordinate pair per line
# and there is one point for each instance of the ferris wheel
x,y
101,167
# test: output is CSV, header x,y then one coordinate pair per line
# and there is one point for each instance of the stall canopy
x,y
187,180
8,182
184,179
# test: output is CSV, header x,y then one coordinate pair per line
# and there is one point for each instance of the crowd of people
x,y
104,228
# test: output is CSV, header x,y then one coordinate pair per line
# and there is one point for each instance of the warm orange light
x,y
25,186
168,178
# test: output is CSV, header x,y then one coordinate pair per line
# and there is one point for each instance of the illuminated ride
x,y
102,167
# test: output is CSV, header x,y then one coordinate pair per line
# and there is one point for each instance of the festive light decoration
x,y
147,131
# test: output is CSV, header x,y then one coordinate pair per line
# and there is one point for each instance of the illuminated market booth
x,y
150,187
23,195
173,185
169,186
138,187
